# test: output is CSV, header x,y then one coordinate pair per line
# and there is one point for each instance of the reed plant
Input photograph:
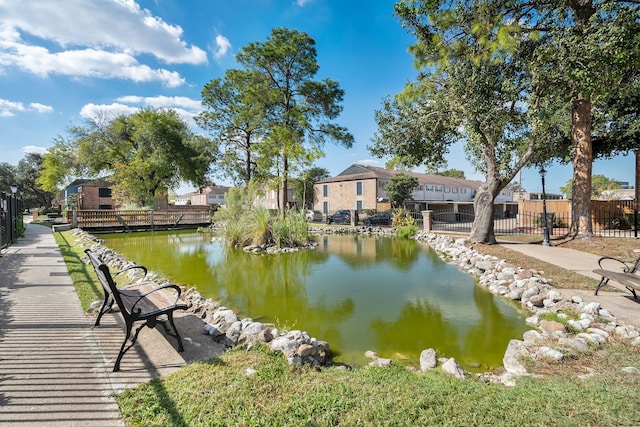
x,y
245,223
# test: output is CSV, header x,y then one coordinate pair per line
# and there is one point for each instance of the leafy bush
x,y
405,224
245,224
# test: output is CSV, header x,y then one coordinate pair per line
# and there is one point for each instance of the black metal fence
x,y
10,218
606,223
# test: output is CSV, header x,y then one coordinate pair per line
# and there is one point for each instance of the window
x,y
104,207
325,207
359,205
104,192
359,189
447,189
429,187
420,187
454,189
439,188
325,191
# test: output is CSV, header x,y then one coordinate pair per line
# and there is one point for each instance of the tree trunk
x,y
637,180
582,166
482,228
285,185
247,163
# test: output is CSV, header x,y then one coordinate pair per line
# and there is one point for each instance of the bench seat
x,y
620,272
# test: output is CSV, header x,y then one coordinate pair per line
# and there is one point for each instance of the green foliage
x,y
235,115
399,188
298,110
599,183
303,185
453,173
245,224
27,173
471,89
144,153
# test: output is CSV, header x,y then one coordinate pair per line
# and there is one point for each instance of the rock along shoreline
x,y
593,327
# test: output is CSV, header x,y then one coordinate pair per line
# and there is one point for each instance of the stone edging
x,y
595,326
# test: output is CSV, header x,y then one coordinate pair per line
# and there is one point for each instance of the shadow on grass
x,y
83,277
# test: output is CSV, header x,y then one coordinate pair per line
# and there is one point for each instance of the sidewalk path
x,y
51,372
55,370
620,304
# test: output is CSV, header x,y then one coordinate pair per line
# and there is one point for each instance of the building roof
x,y
103,182
359,172
216,189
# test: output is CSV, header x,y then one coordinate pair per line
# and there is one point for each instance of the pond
x,y
395,297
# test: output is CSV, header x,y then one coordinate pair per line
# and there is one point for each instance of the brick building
x,y
90,194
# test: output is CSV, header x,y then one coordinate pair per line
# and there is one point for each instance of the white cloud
x,y
41,108
91,38
186,108
163,101
222,46
34,149
371,162
302,3
94,111
9,108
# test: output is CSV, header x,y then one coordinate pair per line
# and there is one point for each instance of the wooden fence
x,y
111,220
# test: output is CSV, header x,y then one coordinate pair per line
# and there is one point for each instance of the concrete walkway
x,y
55,370
620,303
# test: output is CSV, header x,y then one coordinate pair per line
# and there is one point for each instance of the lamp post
x,y
545,226
13,213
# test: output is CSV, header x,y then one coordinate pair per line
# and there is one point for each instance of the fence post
x,y
151,218
427,220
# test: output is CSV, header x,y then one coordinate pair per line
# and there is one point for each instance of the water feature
x,y
392,296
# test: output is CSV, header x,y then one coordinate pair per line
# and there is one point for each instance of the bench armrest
x,y
131,268
636,266
158,289
620,264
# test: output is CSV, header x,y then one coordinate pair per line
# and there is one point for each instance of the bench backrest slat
x,y
105,278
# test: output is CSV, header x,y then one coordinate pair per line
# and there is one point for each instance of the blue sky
x,y
63,60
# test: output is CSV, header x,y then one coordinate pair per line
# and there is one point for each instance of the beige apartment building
x,y
361,187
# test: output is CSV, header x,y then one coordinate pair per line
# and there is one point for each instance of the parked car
x,y
380,218
340,217
313,215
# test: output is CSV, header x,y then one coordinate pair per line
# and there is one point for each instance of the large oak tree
x,y
143,153
471,88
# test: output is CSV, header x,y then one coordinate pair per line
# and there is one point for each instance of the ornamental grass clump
x,y
244,223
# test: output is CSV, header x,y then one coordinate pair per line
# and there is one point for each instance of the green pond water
x,y
359,293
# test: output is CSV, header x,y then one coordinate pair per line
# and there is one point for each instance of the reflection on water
x,y
359,293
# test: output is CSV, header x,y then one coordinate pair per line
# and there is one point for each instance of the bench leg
x,y
603,282
124,348
175,330
106,306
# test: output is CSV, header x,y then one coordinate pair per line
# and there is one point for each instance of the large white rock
x,y
511,360
428,359
452,367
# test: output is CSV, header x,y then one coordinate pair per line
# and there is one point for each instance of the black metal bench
x,y
141,302
620,272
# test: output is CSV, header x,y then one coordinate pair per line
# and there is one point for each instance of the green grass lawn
x,y
220,392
